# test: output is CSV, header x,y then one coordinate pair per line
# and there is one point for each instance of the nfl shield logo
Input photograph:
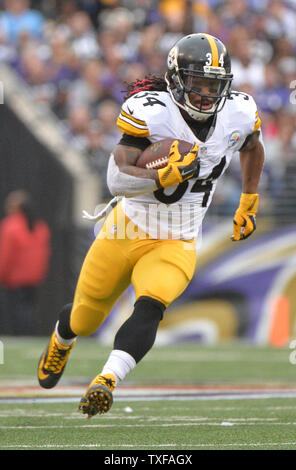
x,y
202,152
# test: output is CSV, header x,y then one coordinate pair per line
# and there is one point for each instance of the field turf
x,y
187,397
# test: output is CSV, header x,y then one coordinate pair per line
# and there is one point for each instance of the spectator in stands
x,y
83,37
62,60
149,49
244,64
98,154
79,119
216,27
103,135
121,22
38,75
236,12
89,89
24,262
274,95
108,112
18,19
280,22
287,69
281,152
281,148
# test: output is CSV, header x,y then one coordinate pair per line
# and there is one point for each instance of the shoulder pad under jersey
x,y
244,111
142,112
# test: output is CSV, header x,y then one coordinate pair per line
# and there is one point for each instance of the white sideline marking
x,y
160,397
187,446
203,356
124,417
162,425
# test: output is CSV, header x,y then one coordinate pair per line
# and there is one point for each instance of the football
x,y
155,156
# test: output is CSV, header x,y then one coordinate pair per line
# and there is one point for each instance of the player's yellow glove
x,y
180,167
244,222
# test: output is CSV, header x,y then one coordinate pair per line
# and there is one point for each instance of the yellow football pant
x,y
160,269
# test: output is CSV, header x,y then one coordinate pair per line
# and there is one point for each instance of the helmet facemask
x,y
187,91
199,75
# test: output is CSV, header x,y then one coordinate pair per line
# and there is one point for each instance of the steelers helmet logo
x,y
172,58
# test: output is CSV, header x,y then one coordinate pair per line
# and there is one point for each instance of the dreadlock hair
x,y
149,83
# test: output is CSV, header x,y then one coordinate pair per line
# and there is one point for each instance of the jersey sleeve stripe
x,y
131,129
125,119
138,121
257,122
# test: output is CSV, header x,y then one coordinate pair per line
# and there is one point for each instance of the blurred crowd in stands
x,y
77,55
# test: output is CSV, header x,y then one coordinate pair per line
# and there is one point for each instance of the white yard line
x,y
145,425
188,447
160,396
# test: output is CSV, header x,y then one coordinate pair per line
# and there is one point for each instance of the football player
x,y
194,103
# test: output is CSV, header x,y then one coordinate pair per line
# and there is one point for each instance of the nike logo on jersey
x,y
130,111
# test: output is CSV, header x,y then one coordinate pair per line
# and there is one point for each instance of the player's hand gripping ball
x,y
180,167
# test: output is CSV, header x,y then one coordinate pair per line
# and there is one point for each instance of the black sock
x,y
137,335
64,329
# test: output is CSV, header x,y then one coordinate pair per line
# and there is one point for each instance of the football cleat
x,y
98,397
52,362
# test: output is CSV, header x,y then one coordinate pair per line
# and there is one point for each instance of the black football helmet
x,y
196,60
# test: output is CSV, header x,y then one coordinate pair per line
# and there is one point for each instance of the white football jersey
x,y
177,212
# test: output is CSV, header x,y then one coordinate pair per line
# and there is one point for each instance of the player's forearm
x,y
126,157
140,172
123,181
251,166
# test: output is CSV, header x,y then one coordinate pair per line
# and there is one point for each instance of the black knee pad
x,y
64,322
137,335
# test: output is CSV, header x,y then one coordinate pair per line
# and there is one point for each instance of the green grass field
x,y
178,398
